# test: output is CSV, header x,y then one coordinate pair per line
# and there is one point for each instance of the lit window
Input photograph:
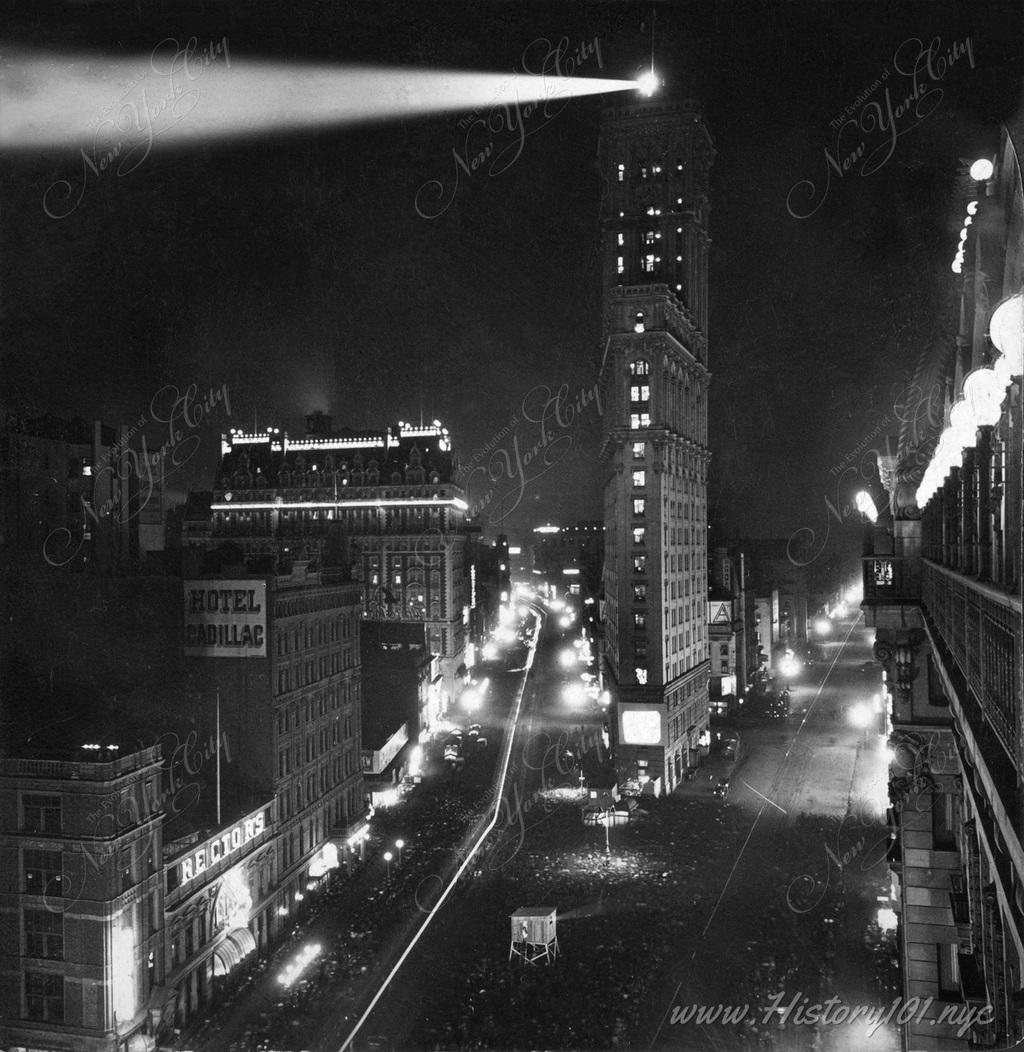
x,y
649,237
641,367
643,171
639,563
639,505
640,620
638,450
620,265
650,211
639,534
622,172
640,393
639,479
649,263
641,676
639,593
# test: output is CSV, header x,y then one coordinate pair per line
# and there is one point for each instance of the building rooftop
x,y
398,454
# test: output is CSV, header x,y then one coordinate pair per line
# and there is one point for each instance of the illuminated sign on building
x,y
220,847
641,726
226,619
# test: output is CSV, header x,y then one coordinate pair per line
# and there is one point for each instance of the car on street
x,y
722,789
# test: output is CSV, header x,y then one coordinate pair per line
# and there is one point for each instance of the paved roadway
x,y
812,859
767,895
756,900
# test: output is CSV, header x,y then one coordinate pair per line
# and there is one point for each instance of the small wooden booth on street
x,y
534,934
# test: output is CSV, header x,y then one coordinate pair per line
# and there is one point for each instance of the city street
x,y
363,922
701,902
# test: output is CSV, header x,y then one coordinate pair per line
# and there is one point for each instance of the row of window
x,y
313,669
290,759
324,630
648,170
337,694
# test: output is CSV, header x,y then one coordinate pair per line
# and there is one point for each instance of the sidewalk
x,y
706,777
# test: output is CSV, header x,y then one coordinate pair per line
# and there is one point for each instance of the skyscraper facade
x,y
655,160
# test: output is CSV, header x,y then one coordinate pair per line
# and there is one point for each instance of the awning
x,y
325,860
161,1000
233,950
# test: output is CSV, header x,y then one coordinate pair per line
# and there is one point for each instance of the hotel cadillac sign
x,y
220,847
226,618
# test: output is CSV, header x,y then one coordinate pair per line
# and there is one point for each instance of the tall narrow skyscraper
x,y
655,160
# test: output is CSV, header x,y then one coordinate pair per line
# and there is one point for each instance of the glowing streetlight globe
x,y
648,83
1006,329
866,506
981,170
860,715
984,393
823,626
574,693
789,667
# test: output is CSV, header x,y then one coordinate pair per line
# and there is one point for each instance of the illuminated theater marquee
x,y
226,618
222,846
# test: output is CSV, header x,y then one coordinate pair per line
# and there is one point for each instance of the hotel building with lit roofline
x,y
383,502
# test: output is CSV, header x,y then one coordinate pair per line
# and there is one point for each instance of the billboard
x,y
641,724
226,619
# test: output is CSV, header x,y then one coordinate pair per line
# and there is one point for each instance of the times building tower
x,y
655,159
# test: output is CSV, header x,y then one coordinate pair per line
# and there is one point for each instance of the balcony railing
x,y
892,579
981,630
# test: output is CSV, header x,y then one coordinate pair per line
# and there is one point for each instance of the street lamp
x,y
399,844
387,859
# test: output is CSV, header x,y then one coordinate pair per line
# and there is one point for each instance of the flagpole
x,y
218,757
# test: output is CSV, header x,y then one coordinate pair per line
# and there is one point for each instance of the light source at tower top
x,y
648,83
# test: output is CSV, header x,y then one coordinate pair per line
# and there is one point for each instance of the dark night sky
x,y
293,267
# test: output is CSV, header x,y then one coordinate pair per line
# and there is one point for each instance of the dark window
x,y
44,934
949,971
943,823
43,873
44,996
42,813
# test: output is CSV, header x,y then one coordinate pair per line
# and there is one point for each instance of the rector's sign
x,y
226,619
